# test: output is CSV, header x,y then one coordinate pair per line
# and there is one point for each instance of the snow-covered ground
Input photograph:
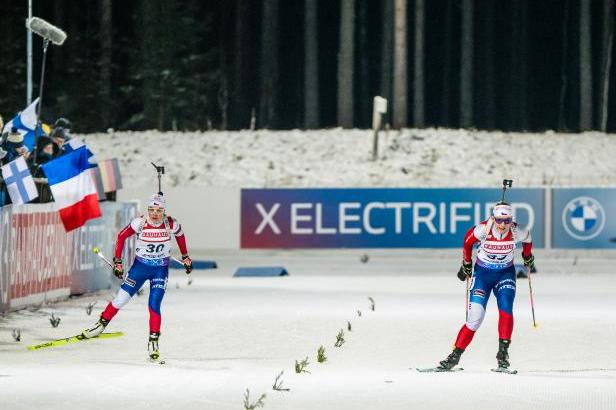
x,y
342,158
223,335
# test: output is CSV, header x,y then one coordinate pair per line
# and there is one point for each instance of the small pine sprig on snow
x,y
321,358
54,320
371,303
278,383
300,367
339,339
251,406
89,308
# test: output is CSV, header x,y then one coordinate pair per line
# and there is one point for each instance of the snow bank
x,y
342,158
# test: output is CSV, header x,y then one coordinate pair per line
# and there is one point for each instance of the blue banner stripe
x,y
67,166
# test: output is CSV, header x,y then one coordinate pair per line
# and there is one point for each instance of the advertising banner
x,y
376,218
38,256
584,218
5,244
40,261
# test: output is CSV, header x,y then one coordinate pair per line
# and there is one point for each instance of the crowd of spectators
x,y
46,148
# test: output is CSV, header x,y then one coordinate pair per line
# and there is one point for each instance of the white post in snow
x,y
29,57
379,108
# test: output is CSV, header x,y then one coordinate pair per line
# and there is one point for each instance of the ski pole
x,y
100,255
532,301
466,299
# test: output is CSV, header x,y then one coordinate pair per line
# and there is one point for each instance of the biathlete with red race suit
x,y
152,254
494,272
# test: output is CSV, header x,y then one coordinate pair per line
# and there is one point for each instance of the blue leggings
x,y
484,282
137,275
499,281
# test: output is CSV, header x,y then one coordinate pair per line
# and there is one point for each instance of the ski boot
x,y
503,355
153,346
95,330
452,360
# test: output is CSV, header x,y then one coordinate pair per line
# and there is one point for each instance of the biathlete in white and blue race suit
x,y
494,272
152,254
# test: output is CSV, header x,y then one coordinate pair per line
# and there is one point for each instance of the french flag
x,y
73,188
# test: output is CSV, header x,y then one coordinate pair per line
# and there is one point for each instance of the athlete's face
x,y
155,213
502,223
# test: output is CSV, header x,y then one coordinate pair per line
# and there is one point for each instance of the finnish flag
x,y
19,181
25,122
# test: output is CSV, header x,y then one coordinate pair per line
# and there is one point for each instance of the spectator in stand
x,y
44,154
14,147
45,146
64,123
59,137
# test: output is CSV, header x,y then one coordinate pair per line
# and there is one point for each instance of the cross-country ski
x,y
74,339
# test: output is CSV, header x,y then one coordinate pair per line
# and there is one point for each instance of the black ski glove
x,y
466,270
187,263
118,269
529,262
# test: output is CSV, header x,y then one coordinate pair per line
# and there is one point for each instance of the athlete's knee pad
x,y
121,299
476,313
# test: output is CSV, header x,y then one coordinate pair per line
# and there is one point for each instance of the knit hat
x,y
62,122
15,138
157,200
502,210
59,132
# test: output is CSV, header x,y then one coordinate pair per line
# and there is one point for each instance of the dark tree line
x,y
232,64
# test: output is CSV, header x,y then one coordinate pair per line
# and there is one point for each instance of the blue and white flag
x,y
19,181
25,122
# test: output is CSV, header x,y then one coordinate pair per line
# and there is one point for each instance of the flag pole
x,y
39,125
49,33
29,56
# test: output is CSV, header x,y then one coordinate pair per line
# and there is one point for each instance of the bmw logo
x,y
583,218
